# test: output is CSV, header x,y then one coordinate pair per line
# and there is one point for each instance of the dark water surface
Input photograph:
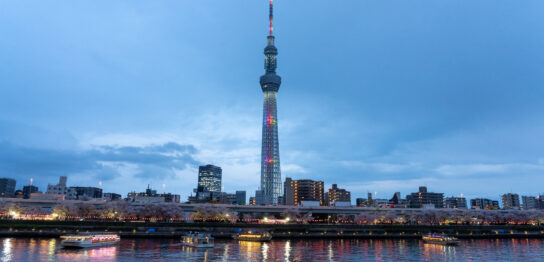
x,y
39,249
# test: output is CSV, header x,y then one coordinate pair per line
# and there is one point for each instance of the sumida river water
x,y
48,249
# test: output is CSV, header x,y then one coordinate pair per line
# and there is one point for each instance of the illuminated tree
x,y
60,211
33,211
213,213
116,210
248,216
307,218
83,210
149,211
291,213
389,217
11,209
172,211
365,218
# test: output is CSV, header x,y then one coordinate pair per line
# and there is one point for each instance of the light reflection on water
x,y
287,252
6,250
23,249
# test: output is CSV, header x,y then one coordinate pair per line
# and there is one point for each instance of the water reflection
x,y
434,251
265,251
226,253
20,249
105,252
51,247
287,252
330,252
250,250
101,253
193,252
6,250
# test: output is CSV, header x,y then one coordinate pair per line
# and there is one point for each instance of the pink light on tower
x,y
271,17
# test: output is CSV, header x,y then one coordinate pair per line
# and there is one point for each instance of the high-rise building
x,y
226,198
424,198
336,194
281,200
170,198
259,197
455,202
529,202
58,189
540,201
151,196
510,201
296,191
7,187
484,203
240,197
397,202
27,190
369,200
270,150
209,182
85,193
111,196
360,202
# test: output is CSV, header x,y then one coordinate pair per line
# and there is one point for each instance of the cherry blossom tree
x,y
291,213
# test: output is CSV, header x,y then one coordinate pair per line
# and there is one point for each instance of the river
x,y
42,249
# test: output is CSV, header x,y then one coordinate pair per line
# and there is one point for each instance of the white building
x,y
529,202
61,189
341,204
148,200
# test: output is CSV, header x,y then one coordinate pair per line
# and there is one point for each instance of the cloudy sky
x,y
377,96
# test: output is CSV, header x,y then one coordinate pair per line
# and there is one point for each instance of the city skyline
x,y
410,104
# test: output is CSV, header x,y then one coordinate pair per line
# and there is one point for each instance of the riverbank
x,y
30,228
329,235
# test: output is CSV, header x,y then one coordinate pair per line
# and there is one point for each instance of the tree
x,y
149,211
172,211
116,210
213,213
428,217
33,211
83,210
291,213
389,217
60,211
365,218
307,218
248,217
12,209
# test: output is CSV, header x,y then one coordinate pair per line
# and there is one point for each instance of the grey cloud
x,y
153,161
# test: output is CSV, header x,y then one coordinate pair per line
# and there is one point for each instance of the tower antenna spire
x,y
271,17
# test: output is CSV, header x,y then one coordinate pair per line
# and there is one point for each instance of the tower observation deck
x,y
270,154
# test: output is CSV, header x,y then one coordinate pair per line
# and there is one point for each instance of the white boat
x,y
440,239
89,240
195,239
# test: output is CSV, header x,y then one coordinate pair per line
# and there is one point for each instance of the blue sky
x,y
377,96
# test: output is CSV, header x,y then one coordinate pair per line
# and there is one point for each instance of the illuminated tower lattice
x,y
270,154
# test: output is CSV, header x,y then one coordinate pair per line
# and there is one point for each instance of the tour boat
x,y
197,240
253,236
440,239
89,240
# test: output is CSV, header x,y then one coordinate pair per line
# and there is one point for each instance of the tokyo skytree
x,y
270,154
